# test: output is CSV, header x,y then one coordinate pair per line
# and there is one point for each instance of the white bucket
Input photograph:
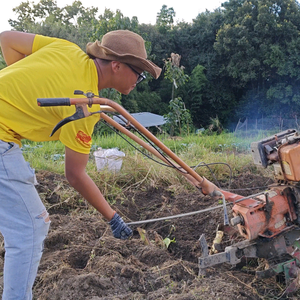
x,y
110,159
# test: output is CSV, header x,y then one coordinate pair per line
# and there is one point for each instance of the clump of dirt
x,y
82,260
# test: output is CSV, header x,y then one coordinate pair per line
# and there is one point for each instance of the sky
x,y
145,11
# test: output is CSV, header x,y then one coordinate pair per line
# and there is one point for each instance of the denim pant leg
x,y
24,223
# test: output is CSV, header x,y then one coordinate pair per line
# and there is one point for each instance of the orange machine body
x,y
289,158
264,216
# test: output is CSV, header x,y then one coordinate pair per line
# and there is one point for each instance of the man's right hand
x,y
119,228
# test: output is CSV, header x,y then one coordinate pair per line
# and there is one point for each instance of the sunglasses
x,y
141,76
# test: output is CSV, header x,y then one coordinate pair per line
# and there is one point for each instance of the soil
x,y
82,260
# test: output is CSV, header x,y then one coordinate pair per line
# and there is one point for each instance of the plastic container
x,y
110,159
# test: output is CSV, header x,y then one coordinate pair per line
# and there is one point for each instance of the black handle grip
x,y
53,101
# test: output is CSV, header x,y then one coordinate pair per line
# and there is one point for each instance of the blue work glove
x,y
119,228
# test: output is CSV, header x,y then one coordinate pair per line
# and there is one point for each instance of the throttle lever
x,y
79,114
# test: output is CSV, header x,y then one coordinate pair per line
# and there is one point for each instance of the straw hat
x,y
124,46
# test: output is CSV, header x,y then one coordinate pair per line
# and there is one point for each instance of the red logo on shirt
x,y
83,138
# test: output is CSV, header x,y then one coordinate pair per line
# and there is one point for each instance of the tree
x,y
196,44
178,118
196,91
259,44
72,22
165,19
109,21
174,72
142,98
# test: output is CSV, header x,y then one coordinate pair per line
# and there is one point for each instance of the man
x,y
44,67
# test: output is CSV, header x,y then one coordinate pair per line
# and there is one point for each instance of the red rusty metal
x,y
267,215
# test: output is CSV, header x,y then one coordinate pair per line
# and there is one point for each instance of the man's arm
x,y
15,45
75,164
77,177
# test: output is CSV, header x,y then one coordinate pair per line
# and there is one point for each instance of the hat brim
x,y
97,50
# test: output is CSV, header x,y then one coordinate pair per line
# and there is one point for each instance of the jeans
x,y
24,223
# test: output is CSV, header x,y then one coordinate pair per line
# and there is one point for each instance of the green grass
x,y
227,153
44,156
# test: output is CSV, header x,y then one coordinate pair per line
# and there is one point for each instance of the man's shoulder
x,y
41,41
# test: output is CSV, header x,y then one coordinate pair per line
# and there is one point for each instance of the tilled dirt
x,y
82,260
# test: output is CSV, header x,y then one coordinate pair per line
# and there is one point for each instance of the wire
x,y
153,145
193,212
203,164
176,216
248,197
143,153
136,148
159,150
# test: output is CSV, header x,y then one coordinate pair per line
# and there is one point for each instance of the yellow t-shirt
x,y
56,68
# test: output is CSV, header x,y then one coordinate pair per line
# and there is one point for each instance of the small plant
x,y
215,125
179,119
168,241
